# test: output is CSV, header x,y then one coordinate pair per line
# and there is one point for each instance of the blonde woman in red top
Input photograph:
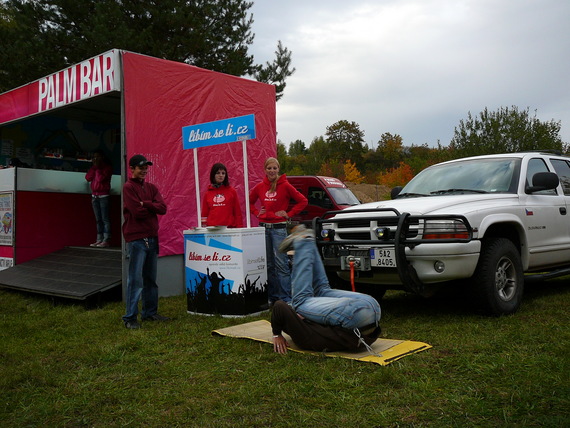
x,y
220,205
274,194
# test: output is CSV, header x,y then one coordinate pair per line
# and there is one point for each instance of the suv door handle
x,y
562,210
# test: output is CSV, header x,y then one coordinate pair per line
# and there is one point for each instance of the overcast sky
x,y
415,67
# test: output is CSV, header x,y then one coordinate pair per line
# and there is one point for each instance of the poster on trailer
x,y
225,270
6,218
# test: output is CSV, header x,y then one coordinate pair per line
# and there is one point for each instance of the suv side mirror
x,y
395,191
543,181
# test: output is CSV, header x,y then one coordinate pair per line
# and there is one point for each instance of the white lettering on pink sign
x,y
92,77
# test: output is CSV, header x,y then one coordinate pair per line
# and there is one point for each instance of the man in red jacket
x,y
142,203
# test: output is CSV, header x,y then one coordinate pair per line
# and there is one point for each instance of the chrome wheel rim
x,y
505,279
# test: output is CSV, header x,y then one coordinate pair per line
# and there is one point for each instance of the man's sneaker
x,y
103,244
156,317
299,232
133,325
95,244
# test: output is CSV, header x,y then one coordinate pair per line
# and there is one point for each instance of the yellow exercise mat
x,y
386,351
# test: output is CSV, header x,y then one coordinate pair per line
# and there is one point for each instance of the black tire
x,y
498,282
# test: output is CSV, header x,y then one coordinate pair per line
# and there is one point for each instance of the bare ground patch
x,y
369,192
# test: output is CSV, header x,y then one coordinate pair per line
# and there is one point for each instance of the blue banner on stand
x,y
225,270
219,132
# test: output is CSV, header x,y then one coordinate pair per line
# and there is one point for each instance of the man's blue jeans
x,y
278,270
141,279
101,210
314,299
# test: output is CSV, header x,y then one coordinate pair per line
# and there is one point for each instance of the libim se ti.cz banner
x,y
219,132
225,270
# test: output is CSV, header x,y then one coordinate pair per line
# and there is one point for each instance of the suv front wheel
x,y
499,280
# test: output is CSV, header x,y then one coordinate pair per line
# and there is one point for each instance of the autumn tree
x,y
506,130
398,176
420,157
39,37
390,150
351,173
345,140
388,154
332,169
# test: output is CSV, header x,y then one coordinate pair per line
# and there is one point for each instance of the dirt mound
x,y
369,192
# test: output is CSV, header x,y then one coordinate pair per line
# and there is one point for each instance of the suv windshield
x,y
343,196
471,176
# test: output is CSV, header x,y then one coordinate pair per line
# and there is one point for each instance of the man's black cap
x,y
139,160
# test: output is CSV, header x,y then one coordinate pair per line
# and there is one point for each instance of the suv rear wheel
x,y
498,281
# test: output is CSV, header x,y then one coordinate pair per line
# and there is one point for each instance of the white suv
x,y
484,220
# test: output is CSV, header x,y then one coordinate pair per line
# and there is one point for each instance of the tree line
x,y
39,37
341,152
42,36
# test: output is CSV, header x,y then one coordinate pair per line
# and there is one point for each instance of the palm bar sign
x,y
239,128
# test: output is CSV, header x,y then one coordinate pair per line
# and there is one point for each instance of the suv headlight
x,y
327,234
445,229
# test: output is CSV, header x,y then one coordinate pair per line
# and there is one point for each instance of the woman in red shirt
x,y
275,194
220,205
99,175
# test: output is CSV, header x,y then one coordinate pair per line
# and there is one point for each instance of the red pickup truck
x,y
323,193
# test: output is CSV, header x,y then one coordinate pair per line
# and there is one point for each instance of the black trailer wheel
x,y
499,281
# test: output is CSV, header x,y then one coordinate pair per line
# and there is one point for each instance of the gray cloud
x,y
415,67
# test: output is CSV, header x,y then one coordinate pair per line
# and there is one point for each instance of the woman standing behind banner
x,y
220,206
274,194
99,175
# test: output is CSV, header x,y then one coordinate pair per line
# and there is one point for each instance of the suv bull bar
x,y
400,230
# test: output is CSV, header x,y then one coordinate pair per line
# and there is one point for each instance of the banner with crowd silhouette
x,y
225,270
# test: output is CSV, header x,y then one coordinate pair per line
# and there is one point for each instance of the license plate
x,y
383,257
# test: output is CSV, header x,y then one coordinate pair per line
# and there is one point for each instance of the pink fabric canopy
x,y
161,97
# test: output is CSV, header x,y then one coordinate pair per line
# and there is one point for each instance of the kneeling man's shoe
x,y
299,232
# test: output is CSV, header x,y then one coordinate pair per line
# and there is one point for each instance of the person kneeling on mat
x,y
321,318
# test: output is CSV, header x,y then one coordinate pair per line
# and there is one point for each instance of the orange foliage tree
x,y
396,176
331,169
351,173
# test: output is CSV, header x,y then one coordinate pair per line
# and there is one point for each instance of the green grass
x,y
64,365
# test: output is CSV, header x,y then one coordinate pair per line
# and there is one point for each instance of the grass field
x,y
65,365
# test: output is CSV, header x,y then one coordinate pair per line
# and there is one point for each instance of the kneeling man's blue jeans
x,y
314,299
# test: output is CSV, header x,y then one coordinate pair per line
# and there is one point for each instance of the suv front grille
x,y
353,223
363,229
359,236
